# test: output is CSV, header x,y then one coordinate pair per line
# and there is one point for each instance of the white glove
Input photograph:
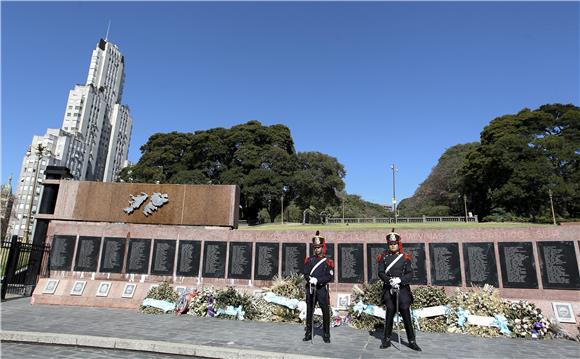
x,y
313,280
395,281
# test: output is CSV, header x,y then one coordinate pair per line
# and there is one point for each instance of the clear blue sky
x,y
369,83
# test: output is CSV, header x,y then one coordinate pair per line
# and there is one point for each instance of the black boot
x,y
326,323
307,336
385,343
414,346
407,321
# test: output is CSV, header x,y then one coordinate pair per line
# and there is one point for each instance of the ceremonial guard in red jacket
x,y
318,272
395,272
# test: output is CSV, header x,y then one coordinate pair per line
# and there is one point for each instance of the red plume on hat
x,y
319,240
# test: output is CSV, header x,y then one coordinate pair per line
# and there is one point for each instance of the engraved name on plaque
x,y
240,260
559,266
138,256
113,254
418,266
480,264
373,251
163,257
61,253
266,266
350,262
445,266
518,268
214,259
188,258
87,257
293,255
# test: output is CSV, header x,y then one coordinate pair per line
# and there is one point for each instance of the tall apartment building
x,y
93,141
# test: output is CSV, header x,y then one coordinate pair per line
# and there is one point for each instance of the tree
x,y
260,159
441,193
316,179
521,157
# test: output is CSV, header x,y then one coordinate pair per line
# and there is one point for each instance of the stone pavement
x,y
215,338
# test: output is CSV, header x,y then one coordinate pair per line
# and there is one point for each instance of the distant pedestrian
x,y
318,272
395,271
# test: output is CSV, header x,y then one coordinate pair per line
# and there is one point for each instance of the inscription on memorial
x,y
240,260
87,257
266,266
138,256
373,250
559,266
214,259
418,267
163,257
113,255
188,258
445,266
518,269
61,253
293,255
480,264
351,263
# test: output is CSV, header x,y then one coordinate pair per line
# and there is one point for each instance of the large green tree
x,y
521,158
441,193
260,159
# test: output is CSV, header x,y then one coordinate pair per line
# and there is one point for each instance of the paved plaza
x,y
107,328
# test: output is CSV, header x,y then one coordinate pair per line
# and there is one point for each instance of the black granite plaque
x,y
240,260
418,266
518,268
188,258
214,259
445,264
351,263
293,255
480,264
138,256
61,252
329,250
113,255
373,251
266,266
87,257
163,257
558,265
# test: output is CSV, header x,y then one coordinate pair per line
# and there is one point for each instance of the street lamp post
x,y
394,169
284,190
552,206
40,150
465,206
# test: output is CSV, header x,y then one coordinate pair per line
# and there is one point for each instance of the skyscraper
x,y
93,141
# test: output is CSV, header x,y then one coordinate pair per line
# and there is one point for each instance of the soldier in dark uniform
x,y
395,272
318,272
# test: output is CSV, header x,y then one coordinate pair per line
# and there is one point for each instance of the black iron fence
x,y
20,266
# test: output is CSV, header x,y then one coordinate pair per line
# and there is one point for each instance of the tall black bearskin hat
x,y
319,241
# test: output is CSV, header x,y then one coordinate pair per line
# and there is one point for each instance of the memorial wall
x,y
191,255
105,255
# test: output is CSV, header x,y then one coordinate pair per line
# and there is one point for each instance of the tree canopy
x,y
521,158
260,159
509,174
